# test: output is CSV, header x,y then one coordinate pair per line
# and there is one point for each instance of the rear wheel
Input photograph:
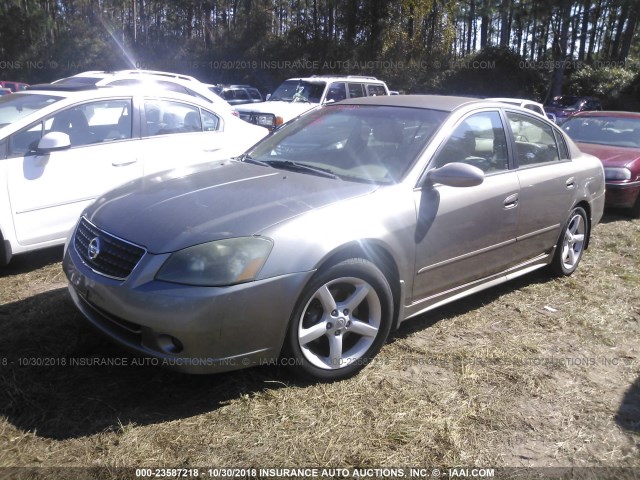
x,y
341,320
4,261
635,210
571,243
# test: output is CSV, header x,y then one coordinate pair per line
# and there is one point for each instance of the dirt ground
x,y
540,372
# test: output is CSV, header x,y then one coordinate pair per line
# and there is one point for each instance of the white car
x,y
175,82
61,149
296,96
528,104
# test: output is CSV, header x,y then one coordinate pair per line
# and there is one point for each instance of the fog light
x,y
169,344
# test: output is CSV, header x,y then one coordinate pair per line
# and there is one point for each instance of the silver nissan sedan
x,y
312,246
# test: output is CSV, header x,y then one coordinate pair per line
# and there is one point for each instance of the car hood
x,y
169,212
286,110
611,156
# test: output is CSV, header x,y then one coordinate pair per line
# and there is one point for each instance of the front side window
x,y
337,91
535,142
86,124
480,141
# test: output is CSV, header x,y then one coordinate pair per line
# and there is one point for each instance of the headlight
x,y
219,263
617,174
266,120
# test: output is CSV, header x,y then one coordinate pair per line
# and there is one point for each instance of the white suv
x,y
175,82
296,96
62,146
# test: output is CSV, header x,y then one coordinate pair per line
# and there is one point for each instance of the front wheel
x,y
341,320
571,244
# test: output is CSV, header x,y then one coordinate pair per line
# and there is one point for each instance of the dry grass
x,y
538,372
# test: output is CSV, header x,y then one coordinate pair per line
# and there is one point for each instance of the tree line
x,y
517,47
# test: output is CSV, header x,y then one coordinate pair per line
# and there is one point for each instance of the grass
x,y
539,372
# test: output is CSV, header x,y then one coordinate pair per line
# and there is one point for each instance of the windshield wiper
x,y
246,158
301,167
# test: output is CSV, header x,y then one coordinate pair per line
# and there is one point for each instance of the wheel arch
x,y
587,208
5,251
378,254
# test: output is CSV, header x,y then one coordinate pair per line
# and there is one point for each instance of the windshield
x,y
299,91
18,105
374,144
620,132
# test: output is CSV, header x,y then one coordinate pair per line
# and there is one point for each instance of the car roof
x,y
513,100
103,74
607,113
434,102
84,92
334,78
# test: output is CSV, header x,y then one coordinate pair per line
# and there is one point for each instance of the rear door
x,y
547,184
177,134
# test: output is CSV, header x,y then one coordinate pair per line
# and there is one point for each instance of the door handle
x,y
123,163
570,183
511,201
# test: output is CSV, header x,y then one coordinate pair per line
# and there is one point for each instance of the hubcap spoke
x,y
363,329
335,350
574,239
326,299
357,296
575,224
310,334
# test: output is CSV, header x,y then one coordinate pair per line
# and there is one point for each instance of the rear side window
x,y
166,117
356,90
535,141
375,90
534,108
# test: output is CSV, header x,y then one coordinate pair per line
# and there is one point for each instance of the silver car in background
x,y
324,237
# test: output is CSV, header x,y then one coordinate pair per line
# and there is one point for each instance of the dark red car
x,y
13,86
566,106
613,137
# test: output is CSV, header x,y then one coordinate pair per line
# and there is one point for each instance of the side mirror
x,y
267,97
53,142
456,175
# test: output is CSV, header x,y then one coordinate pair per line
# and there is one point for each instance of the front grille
x,y
104,253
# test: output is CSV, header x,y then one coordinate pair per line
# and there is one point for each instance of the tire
x,y
634,211
571,244
340,321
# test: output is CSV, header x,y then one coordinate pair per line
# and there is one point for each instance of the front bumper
x,y
188,329
622,195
